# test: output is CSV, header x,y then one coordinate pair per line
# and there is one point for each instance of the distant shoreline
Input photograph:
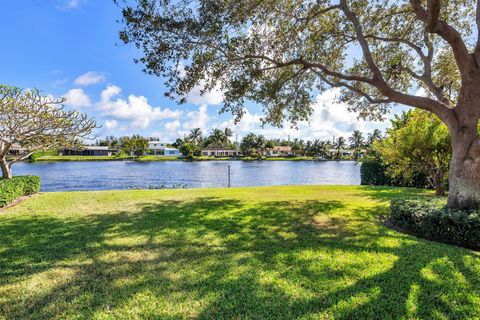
x,y
167,158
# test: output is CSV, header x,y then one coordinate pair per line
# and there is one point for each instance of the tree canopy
x,y
280,53
37,122
417,144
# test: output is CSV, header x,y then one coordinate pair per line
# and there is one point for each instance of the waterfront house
x,y
171,152
219,152
157,147
94,151
17,150
345,153
280,151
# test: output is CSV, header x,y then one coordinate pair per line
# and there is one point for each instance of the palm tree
x,y
322,148
248,143
227,134
260,143
339,145
216,138
196,136
308,148
376,135
356,143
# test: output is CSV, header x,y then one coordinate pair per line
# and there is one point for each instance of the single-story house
x,y
88,151
345,153
219,152
17,150
280,151
157,147
171,152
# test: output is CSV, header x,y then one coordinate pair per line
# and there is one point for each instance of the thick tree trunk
x,y
6,170
464,178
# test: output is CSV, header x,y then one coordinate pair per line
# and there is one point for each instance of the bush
x,y
16,187
372,172
34,157
431,219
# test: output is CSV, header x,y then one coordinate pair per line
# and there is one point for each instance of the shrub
x,y
34,157
16,187
431,219
372,172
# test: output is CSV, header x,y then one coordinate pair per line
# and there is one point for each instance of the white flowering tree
x,y
36,123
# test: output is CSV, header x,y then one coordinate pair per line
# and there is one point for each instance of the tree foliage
x,y
278,53
417,144
134,145
37,123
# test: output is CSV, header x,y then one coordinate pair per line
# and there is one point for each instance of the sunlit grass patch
x,y
309,252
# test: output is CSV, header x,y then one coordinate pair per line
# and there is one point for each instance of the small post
x,y
229,176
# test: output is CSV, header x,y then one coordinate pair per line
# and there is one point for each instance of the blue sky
x,y
71,48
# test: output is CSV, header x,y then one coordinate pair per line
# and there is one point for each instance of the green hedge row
x,y
373,172
17,187
431,219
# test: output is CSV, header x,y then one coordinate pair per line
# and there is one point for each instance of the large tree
x,y
281,53
36,122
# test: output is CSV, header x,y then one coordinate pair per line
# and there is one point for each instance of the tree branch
x,y
433,24
477,46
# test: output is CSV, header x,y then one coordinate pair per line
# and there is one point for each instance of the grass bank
x,y
106,158
310,252
167,158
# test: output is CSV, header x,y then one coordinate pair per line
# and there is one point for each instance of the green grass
x,y
310,252
157,158
84,158
106,158
300,158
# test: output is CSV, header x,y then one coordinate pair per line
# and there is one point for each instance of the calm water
x,y
104,175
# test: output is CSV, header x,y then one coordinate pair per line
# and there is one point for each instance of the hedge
x,y
431,219
16,187
374,172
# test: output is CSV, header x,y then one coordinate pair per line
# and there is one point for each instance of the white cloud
x,y
69,4
172,126
249,122
329,119
77,98
197,119
135,109
90,78
212,97
111,124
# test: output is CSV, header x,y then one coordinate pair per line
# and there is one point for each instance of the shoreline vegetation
x,y
259,252
174,158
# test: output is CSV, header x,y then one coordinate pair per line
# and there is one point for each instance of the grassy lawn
x,y
83,158
106,158
310,252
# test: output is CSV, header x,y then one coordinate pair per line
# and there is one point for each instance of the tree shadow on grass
x,y
225,258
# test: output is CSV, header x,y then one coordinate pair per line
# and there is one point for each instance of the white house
x,y
171,152
280,151
157,147
219,152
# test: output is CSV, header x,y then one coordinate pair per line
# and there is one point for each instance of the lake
x,y
105,175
